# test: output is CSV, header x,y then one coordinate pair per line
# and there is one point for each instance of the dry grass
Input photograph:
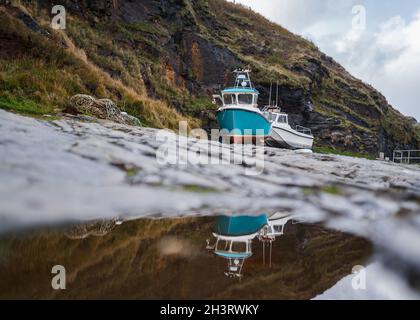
x,y
46,76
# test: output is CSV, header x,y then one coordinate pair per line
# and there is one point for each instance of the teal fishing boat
x,y
239,113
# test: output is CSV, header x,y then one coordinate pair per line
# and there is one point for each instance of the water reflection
x,y
234,236
273,256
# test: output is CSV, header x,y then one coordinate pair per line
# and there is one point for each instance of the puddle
x,y
241,257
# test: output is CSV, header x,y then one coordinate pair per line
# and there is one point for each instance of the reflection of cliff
x,y
167,258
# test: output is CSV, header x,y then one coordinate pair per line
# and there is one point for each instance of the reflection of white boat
x,y
283,136
273,229
275,226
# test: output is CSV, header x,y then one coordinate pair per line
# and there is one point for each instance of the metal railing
x,y
303,130
406,156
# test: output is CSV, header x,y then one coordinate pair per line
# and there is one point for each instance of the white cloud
x,y
299,14
388,58
386,54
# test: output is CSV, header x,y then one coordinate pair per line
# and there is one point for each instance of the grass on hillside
x,y
41,80
26,107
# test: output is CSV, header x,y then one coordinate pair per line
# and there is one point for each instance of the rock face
x,y
69,170
181,51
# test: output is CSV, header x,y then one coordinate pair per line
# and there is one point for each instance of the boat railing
x,y
406,156
303,130
270,108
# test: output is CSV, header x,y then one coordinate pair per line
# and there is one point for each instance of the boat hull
x,y
289,139
237,226
243,122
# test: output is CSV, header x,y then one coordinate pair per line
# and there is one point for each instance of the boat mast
x,y
238,78
248,71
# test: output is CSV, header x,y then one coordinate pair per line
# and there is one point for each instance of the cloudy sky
x,y
385,51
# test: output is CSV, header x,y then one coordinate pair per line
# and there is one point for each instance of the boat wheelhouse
x,y
239,114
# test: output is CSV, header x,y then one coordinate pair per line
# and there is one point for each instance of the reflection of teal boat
x,y
240,225
234,237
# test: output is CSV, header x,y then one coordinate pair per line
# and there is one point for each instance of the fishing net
x,y
100,108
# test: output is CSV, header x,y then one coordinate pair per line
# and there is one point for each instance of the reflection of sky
x,y
377,283
386,55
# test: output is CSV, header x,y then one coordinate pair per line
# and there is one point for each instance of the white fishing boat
x,y
282,135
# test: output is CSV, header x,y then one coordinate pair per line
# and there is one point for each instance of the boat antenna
x,y
263,245
271,88
277,94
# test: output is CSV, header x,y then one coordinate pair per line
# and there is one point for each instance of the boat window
x,y
222,245
245,98
273,116
282,119
278,229
239,247
229,99
217,100
270,116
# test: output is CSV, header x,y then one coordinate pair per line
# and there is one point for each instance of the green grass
x,y
331,189
24,106
330,150
334,190
146,27
198,189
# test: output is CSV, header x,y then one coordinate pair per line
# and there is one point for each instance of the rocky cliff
x,y
162,60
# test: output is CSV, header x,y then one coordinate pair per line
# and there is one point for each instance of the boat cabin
x,y
233,247
240,97
275,226
235,250
242,94
275,117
